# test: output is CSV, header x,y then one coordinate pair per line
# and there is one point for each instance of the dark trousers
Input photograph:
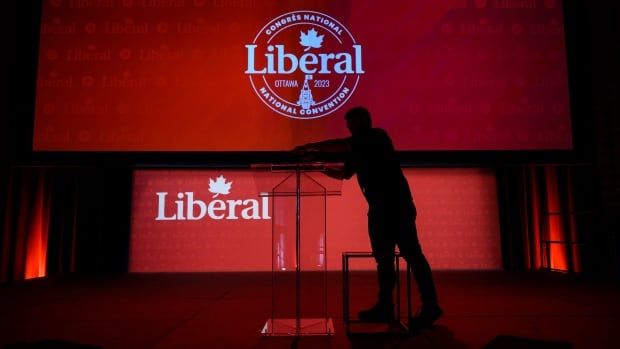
x,y
387,230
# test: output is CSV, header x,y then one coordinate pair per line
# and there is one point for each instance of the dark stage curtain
x,y
547,217
64,220
26,225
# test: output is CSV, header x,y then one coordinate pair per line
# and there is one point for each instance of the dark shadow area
x,y
435,337
216,310
511,342
275,343
50,344
310,342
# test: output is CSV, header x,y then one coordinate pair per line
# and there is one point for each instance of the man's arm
x,y
341,145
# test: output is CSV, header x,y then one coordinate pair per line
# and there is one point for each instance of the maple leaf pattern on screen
x,y
310,39
219,186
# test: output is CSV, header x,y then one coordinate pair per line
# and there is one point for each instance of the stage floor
x,y
228,310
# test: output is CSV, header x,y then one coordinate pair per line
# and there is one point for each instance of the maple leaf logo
x,y
219,186
311,40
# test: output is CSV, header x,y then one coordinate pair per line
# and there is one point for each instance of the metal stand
x,y
357,326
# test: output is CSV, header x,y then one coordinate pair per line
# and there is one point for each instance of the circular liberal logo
x,y
304,64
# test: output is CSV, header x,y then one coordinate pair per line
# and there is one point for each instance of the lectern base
x,y
307,327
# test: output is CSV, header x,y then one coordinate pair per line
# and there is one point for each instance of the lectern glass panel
x,y
299,265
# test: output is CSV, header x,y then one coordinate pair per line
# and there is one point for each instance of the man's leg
x,y
411,250
383,252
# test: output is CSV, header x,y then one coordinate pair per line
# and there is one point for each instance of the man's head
x,y
358,119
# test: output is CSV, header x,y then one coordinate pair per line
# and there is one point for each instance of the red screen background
x,y
439,75
457,221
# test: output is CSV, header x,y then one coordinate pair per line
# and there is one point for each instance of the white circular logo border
x,y
344,101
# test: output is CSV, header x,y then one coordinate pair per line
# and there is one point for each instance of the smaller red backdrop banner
x,y
213,220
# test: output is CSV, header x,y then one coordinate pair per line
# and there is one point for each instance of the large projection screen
x,y
249,75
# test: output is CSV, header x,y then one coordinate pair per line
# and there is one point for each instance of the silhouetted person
x,y
391,212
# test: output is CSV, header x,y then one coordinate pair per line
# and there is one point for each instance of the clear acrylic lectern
x,y
299,246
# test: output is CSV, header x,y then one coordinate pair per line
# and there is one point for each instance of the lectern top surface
x,y
292,167
282,179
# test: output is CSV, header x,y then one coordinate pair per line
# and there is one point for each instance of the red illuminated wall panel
x,y
457,221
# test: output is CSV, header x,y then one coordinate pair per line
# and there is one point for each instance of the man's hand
x,y
335,171
305,152
309,152
310,147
